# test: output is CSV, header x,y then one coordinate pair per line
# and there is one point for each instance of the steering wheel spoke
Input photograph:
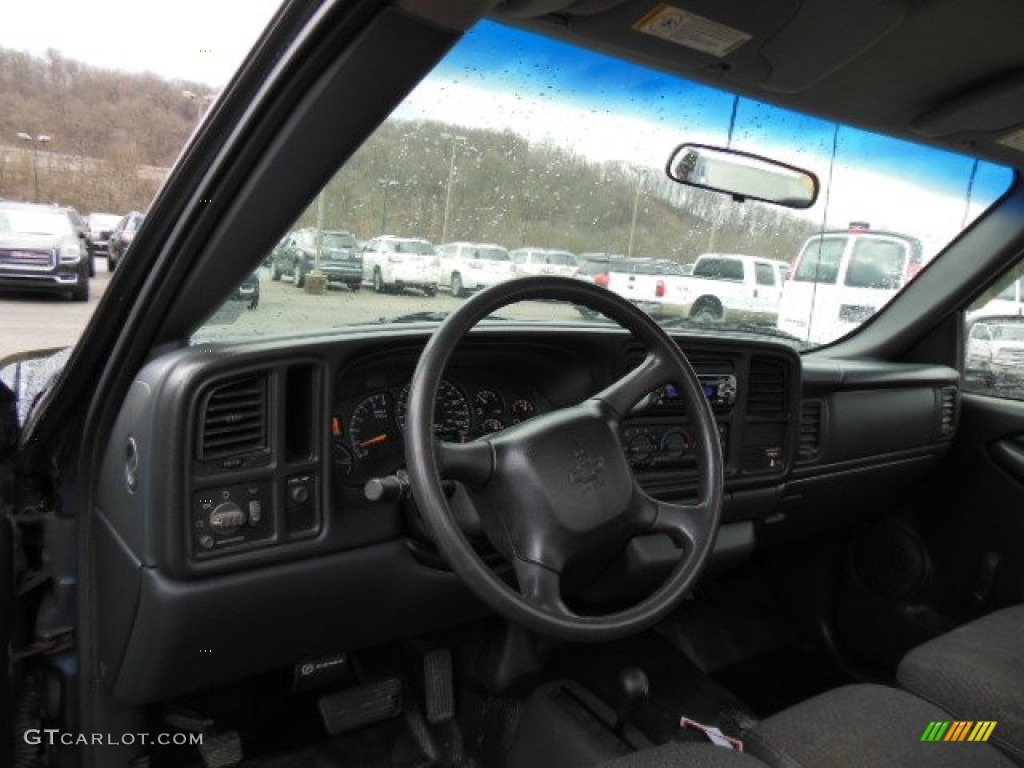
x,y
625,393
541,586
472,463
684,523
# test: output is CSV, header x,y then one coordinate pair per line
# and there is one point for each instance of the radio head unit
x,y
719,389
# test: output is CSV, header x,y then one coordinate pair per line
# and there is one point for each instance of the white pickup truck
x,y
722,286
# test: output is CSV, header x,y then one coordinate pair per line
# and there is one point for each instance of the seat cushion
x,y
863,726
976,672
685,756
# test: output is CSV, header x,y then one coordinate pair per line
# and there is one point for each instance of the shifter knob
x,y
635,689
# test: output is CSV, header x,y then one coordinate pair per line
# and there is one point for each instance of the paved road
x,y
40,321
283,307
31,322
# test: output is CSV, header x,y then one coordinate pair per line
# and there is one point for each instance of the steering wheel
x,y
558,488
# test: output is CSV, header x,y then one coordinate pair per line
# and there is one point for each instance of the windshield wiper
x,y
421,317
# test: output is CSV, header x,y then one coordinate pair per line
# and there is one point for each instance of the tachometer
x,y
371,427
452,420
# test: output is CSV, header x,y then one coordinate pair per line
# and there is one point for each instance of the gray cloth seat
x,y
976,672
858,726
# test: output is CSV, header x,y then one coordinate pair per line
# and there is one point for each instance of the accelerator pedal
x,y
439,686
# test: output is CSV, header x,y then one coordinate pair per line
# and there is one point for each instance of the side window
x,y
819,262
994,353
764,274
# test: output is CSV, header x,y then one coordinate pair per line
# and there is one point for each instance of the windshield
x,y
100,221
34,221
1008,332
492,254
339,240
520,142
421,247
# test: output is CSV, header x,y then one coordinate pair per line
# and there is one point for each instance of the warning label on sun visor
x,y
690,30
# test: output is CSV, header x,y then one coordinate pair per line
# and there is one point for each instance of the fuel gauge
x,y
522,410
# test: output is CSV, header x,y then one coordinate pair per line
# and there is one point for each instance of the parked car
x,y
596,267
340,259
391,264
995,351
1008,302
100,227
842,278
121,238
721,286
467,267
544,261
40,250
82,230
249,290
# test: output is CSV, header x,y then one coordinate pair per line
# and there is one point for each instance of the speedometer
x,y
452,420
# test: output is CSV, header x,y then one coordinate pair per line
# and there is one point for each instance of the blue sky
x,y
530,66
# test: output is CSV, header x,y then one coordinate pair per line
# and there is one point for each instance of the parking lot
x,y
283,308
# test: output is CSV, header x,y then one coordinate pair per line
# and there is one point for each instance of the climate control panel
x,y
651,446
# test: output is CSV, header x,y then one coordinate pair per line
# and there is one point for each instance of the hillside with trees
x,y
113,135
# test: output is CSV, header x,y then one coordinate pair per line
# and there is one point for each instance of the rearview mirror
x,y
743,175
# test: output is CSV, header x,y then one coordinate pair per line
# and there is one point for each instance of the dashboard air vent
x,y
947,411
234,419
632,356
810,430
766,392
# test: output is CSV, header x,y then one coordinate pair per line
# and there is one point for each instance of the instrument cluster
x,y
368,428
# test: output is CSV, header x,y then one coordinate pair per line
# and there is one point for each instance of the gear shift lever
x,y
635,689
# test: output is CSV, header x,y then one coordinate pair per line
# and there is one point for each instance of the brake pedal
x,y
361,706
438,686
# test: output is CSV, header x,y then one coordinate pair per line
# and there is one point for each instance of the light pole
x,y
319,229
386,185
202,101
640,177
455,141
35,141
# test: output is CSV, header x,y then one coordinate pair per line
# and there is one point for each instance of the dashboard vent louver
x,y
947,411
632,356
809,443
234,419
766,395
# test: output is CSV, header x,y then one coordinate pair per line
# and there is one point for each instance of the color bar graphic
x,y
959,730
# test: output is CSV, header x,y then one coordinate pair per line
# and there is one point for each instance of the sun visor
x,y
784,46
995,107
822,37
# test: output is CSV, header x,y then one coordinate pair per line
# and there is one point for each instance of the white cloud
x,y
199,40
